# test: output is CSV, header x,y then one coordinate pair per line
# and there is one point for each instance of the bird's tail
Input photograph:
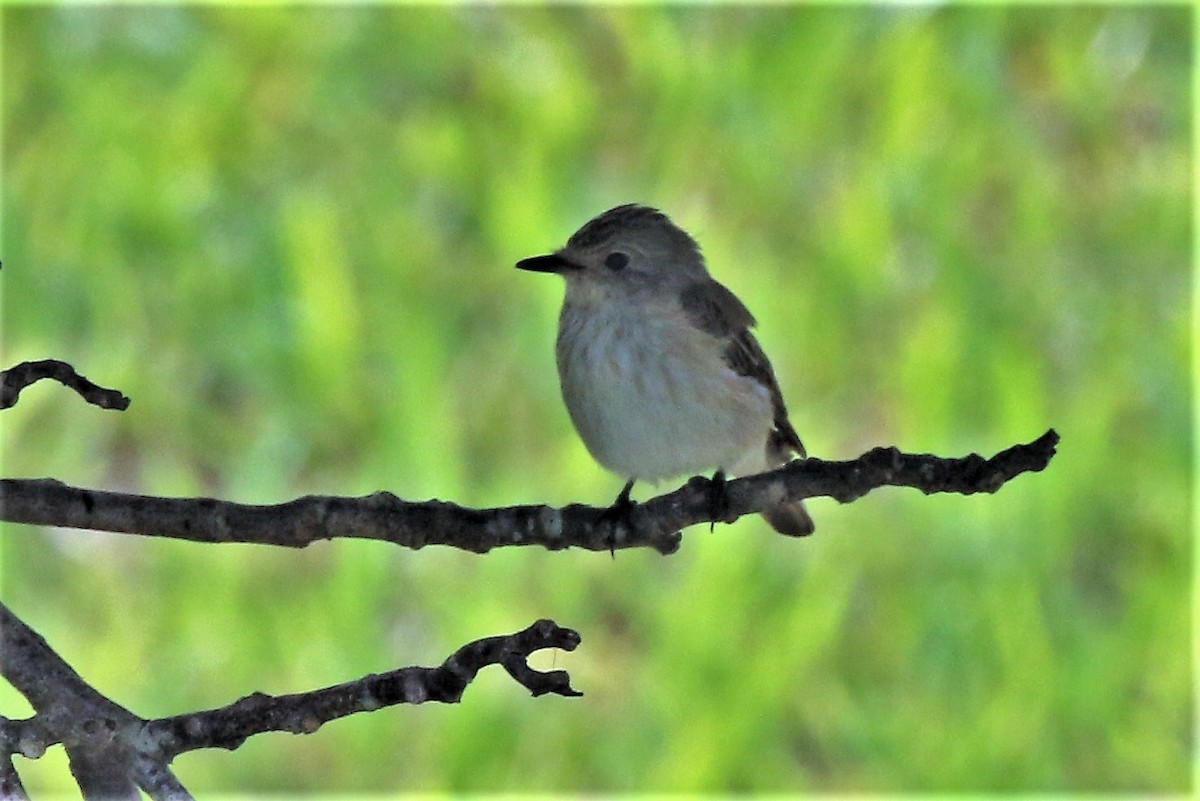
x,y
790,518
787,518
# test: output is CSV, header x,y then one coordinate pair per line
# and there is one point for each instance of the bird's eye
x,y
616,260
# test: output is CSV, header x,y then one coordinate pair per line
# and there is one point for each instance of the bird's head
x,y
628,247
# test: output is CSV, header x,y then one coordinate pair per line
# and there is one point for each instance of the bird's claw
x,y
618,515
718,500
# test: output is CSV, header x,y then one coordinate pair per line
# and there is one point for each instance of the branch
x,y
303,713
11,788
15,379
113,751
383,516
69,711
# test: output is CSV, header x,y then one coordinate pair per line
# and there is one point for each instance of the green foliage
x,y
288,235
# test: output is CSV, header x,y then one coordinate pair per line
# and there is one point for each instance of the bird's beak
x,y
551,263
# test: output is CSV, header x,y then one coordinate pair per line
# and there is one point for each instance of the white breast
x,y
651,396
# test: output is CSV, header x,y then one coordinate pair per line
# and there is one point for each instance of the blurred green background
x,y
288,235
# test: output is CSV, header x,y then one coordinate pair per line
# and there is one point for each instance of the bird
x,y
658,367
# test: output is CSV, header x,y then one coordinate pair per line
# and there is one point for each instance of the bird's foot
x,y
718,500
618,515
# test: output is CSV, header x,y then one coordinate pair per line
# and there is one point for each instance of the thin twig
x,y
303,713
113,751
383,516
15,379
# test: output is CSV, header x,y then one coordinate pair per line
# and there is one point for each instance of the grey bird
x,y
659,370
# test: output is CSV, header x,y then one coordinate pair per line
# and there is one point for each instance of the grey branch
x,y
113,752
15,379
383,516
11,788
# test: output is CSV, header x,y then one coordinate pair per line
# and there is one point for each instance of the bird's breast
x,y
651,395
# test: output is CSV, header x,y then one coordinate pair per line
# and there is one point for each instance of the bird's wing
x,y
715,310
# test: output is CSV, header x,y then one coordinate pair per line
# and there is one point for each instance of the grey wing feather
x,y
715,310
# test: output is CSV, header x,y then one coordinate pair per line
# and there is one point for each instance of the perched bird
x,y
659,370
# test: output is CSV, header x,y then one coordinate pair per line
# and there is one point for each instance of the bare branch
x,y
113,752
101,773
303,713
383,516
11,788
153,776
68,710
15,379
